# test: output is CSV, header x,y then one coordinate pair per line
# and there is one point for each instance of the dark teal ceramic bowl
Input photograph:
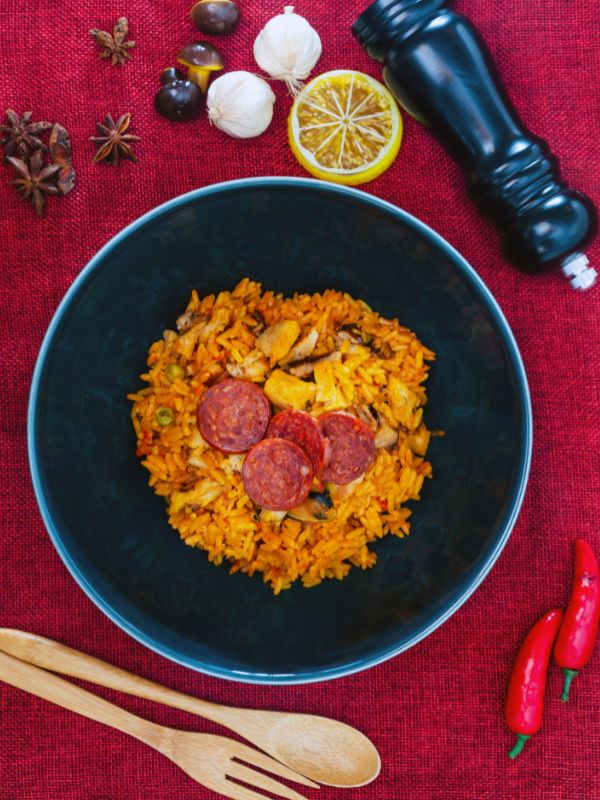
x,y
111,530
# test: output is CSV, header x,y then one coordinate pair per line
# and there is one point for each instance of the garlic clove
x,y
240,104
288,48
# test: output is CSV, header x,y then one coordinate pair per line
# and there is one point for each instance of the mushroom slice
x,y
318,507
366,415
187,320
352,333
306,368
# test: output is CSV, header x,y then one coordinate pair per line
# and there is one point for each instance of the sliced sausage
x,y
302,429
233,415
277,474
351,447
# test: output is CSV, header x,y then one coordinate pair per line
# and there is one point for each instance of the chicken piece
x,y
403,401
188,341
418,441
252,368
286,391
233,464
385,437
203,494
329,392
278,339
215,325
302,349
196,458
274,517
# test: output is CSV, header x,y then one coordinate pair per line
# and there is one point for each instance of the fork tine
x,y
257,759
238,792
250,776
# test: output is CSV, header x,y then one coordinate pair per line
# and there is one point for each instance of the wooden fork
x,y
213,761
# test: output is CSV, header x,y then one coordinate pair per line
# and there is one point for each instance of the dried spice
x,y
21,135
113,140
61,153
115,46
33,183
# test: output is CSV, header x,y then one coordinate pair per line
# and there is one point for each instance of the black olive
x,y
215,17
178,99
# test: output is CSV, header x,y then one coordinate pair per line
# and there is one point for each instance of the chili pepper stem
x,y
519,744
569,675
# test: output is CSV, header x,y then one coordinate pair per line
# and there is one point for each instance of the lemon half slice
x,y
345,127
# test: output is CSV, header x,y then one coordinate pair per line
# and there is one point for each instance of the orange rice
x,y
371,366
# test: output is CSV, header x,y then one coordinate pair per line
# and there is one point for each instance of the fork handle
x,y
62,693
56,657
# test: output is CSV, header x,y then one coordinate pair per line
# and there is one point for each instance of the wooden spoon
x,y
321,749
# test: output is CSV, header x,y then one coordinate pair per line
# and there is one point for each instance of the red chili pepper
x,y
525,698
577,634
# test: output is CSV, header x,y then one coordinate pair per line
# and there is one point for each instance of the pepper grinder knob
x,y
442,73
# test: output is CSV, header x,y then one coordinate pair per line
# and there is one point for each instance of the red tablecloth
x,y
435,712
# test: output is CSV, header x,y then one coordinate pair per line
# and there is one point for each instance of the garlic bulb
x,y
240,104
287,48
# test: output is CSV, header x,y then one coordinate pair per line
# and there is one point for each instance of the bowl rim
x,y
514,501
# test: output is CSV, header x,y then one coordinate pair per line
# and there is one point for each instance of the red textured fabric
x,y
435,712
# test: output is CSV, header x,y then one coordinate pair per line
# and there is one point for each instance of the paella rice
x,y
312,352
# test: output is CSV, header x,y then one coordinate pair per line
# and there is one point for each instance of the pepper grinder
x,y
440,70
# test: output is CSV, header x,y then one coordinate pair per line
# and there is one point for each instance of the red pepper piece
x,y
577,634
525,698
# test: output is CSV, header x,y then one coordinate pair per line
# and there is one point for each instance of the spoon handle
x,y
62,693
57,657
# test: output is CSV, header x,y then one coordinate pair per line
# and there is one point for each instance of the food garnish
x,y
178,98
288,48
21,136
36,179
113,141
215,17
345,127
201,60
525,698
240,104
115,46
577,634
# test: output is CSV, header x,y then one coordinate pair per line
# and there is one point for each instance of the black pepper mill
x,y
442,73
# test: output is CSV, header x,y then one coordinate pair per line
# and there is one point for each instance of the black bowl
x,y
112,531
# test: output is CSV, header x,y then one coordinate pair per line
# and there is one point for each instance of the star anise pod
x,y
113,140
61,154
20,135
115,46
33,183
